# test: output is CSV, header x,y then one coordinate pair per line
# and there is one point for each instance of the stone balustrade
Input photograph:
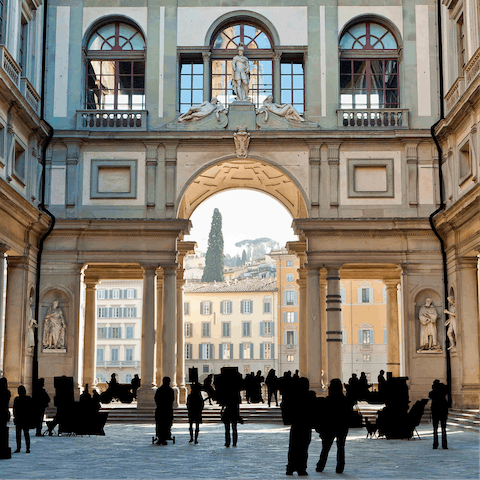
x,y
373,118
472,69
10,66
455,92
30,94
112,120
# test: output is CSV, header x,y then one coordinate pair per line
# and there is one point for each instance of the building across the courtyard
x,y
338,111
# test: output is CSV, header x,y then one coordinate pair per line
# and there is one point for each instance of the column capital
x,y
149,269
170,269
391,282
466,262
333,271
4,247
91,283
312,267
17,262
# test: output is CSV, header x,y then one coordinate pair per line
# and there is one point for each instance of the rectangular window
x,y
290,358
289,263
290,277
205,329
188,351
206,308
116,332
116,294
191,84
369,83
246,329
267,305
102,312
247,307
292,83
130,312
3,20
114,354
225,329
290,317
130,293
101,332
100,355
129,354
462,54
225,350
101,294
187,329
290,337
268,328
23,46
366,337
206,369
186,308
206,351
267,351
261,81
130,331
226,307
19,162
116,312
290,297
247,350
365,295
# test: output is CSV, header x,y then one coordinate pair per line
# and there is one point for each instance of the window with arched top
x,y
259,51
115,68
369,67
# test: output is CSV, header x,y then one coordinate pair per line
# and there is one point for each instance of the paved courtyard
x,y
126,452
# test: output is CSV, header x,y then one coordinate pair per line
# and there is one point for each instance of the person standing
x,y
335,415
195,404
164,398
41,401
439,412
135,385
5,451
23,411
272,386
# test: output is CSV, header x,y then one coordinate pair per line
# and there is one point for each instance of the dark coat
x,y
24,411
439,402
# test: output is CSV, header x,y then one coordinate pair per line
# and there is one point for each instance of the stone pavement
x,y
126,452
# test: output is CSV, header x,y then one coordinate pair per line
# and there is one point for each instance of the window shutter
x,y
273,350
272,327
360,337
221,351
221,308
251,351
285,298
370,295
231,306
295,316
385,336
125,293
241,307
261,351
284,317
110,294
359,295
295,297
211,308
135,293
262,329
110,312
212,351
231,351
109,332
295,338
125,312
120,294
284,337
372,337
119,332
343,295
135,312
240,353
251,306
201,308
200,356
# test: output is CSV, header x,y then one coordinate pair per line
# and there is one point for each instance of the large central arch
x,y
250,173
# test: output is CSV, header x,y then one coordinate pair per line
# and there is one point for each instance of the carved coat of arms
x,y
242,139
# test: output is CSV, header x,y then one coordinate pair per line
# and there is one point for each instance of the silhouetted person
x,y
5,451
439,412
41,400
228,389
164,397
207,386
296,375
23,411
272,387
195,404
300,409
363,387
381,382
249,385
353,388
335,414
256,388
231,417
135,385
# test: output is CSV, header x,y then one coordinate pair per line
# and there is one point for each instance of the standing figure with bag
x,y
24,413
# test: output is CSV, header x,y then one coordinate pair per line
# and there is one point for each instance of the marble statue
x,y
54,328
242,139
451,323
285,110
241,75
197,112
31,325
428,317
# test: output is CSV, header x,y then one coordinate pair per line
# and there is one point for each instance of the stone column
x,y
15,322
145,393
323,326
467,328
159,346
277,56
180,338
169,337
302,321
89,339
314,341
206,75
393,344
334,323
3,249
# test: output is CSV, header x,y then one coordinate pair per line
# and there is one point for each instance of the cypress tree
x,y
214,258
244,257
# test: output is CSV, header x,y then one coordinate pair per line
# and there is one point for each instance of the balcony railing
x,y
112,120
10,66
30,94
373,118
472,68
455,92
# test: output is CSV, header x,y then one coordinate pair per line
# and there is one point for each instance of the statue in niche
x,y
197,112
451,323
54,328
242,139
31,325
428,317
285,110
241,75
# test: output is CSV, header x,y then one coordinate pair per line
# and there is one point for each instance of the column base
x,y
146,397
176,397
182,394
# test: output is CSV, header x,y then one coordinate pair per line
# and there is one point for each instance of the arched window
x,y
259,50
369,67
115,68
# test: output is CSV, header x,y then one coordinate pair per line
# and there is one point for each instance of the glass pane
x,y
197,97
286,68
185,81
139,68
95,42
184,108
138,102
376,81
108,82
137,42
249,43
346,42
298,96
92,99
359,66
139,82
358,30
124,82
108,98
391,98
233,44
377,30
286,96
197,81
376,67
345,66
359,81
376,98
346,100
185,96
298,68
298,81
360,43
286,81
391,81
266,79
263,41
391,66
345,81
124,43
124,68
250,31
299,107
108,68
389,42
107,31
198,68
265,66
108,44
186,68
360,99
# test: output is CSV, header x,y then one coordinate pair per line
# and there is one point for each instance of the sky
x,y
246,214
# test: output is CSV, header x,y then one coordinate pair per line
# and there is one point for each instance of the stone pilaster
x,y
334,323
323,316
411,154
206,75
302,321
159,332
3,248
89,340
180,338
314,159
277,57
334,162
393,344
314,341
170,167
73,153
151,167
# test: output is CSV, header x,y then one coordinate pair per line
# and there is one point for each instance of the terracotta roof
x,y
245,285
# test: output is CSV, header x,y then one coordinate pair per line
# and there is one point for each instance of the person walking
x,y
195,404
41,400
24,413
164,398
439,412
335,416
272,386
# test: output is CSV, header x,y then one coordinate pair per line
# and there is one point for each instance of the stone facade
x,y
360,176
